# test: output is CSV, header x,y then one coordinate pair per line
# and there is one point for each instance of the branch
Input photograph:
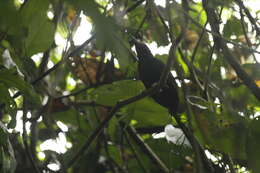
x,y
199,152
198,42
202,162
146,149
86,88
170,60
175,42
242,21
26,145
134,6
88,103
138,159
224,39
212,18
72,53
249,16
99,129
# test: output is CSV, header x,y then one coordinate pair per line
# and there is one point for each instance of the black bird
x,y
150,70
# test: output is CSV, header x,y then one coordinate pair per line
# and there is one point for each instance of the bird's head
x,y
143,52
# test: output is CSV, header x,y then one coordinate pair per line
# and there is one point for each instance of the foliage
x,y
83,94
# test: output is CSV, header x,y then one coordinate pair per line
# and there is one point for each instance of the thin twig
x,y
141,25
247,80
146,149
88,103
72,53
134,6
217,35
198,42
249,16
207,77
175,42
245,33
172,38
99,129
135,153
201,159
87,88
198,74
27,148
192,69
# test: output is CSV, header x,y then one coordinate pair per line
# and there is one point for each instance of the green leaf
x,y
253,70
69,117
7,158
183,65
11,79
157,29
229,30
10,104
40,38
252,145
199,15
222,132
3,134
40,29
240,98
112,38
148,113
110,94
9,17
172,155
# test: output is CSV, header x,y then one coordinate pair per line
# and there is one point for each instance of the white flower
x,y
175,135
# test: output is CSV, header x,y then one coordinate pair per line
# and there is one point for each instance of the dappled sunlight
x,y
105,86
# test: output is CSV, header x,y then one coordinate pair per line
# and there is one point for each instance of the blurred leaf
x,y
156,28
10,104
7,158
112,38
222,133
40,29
169,152
184,66
68,117
136,17
3,134
252,145
40,38
240,97
229,30
253,70
11,79
110,94
9,18
198,14
147,113
217,3
114,152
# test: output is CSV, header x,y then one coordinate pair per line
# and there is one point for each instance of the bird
x,y
150,70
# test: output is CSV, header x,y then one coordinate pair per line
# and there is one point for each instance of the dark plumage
x,y
150,70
